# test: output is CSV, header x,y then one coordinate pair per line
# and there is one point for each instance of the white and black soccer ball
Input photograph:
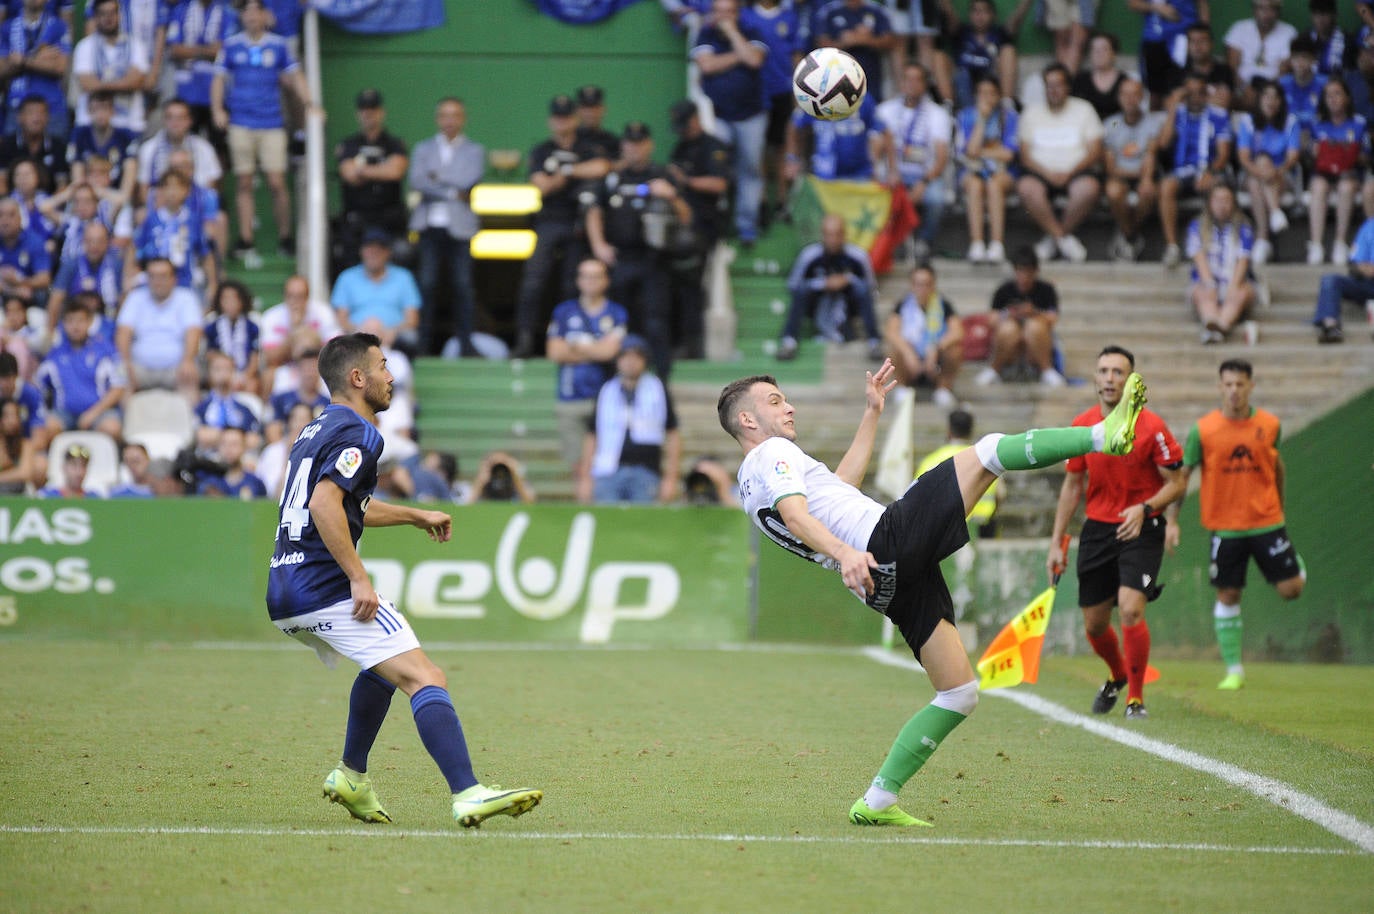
x,y
829,84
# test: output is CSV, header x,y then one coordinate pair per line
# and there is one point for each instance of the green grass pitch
x,y
187,779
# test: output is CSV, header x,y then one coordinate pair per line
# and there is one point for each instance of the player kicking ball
x,y
890,556
319,593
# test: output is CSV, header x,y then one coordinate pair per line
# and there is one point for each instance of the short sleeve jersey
x,y
1042,296
1239,460
1117,483
253,71
1129,142
778,468
583,380
344,448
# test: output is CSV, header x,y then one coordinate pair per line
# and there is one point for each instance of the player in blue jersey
x,y
319,593
1200,136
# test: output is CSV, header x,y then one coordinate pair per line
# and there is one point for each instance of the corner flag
x,y
1013,656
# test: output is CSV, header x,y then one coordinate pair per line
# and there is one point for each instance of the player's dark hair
x,y
1239,366
1303,44
961,424
727,407
1025,256
90,301
1118,350
341,355
32,99
77,303
1199,26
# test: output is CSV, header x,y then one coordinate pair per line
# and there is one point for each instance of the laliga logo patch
x,y
781,468
349,461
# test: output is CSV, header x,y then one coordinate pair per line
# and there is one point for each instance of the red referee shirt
x,y
1116,483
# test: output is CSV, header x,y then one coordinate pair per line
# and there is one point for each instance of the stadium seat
x,y
158,444
102,471
159,411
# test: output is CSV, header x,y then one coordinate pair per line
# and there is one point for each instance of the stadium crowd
x,y
120,278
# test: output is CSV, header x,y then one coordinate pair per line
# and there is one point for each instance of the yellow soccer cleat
x,y
1119,425
475,805
860,814
354,793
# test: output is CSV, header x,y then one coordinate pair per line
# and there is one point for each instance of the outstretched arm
x,y
437,524
855,462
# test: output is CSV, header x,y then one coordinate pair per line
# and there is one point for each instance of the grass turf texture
x,y
647,758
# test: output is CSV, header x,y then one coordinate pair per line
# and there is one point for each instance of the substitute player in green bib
x,y
1237,449
889,557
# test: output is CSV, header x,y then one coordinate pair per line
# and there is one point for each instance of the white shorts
x,y
332,633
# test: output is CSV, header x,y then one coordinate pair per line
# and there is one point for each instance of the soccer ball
x,y
829,84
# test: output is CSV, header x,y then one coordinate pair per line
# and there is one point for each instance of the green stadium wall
x,y
196,569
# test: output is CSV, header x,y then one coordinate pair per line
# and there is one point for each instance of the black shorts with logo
x,y
1105,564
1273,553
916,531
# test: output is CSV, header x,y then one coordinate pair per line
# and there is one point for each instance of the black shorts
x,y
1156,67
1273,553
1106,564
917,531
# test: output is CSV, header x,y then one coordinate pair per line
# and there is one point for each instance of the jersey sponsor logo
x,y
314,629
349,462
1280,546
291,558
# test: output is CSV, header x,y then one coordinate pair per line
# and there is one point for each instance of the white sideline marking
x,y
1340,824
473,834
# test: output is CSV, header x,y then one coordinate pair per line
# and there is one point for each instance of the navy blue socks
x,y
367,707
442,735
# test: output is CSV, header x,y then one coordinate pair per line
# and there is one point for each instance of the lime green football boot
x,y
1232,682
475,805
354,793
860,814
1120,422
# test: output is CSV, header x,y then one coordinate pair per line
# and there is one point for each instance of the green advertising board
x,y
174,569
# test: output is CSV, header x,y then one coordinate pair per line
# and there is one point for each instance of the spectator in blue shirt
x,y
171,229
982,47
37,47
730,57
220,408
136,466
82,377
74,464
232,330
985,146
245,99
97,269
377,296
33,414
1268,145
1220,242
25,265
1356,285
1164,28
26,178
196,30
308,391
860,29
583,341
1302,85
117,145
1200,136
234,481
844,150
781,27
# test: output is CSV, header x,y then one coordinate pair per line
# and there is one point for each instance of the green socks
x,y
1044,446
920,737
1229,628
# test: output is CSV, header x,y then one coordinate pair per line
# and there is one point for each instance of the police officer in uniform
x,y
591,109
629,224
372,163
700,169
558,167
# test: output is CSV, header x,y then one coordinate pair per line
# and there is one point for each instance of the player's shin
x,y
367,706
1230,629
442,735
920,738
1038,447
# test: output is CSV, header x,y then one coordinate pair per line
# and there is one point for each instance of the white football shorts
x,y
332,633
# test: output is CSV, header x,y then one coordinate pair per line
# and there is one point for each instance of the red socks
x,y
1109,649
1137,638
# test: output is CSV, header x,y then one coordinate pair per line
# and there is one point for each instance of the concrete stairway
x,y
1139,306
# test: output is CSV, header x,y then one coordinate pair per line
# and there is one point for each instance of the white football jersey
x,y
776,468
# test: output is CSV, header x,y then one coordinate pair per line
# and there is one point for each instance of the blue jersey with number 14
x,y
340,446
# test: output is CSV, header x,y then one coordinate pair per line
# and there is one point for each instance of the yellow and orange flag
x,y
1013,657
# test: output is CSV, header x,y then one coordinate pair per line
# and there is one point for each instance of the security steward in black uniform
x,y
591,111
629,222
371,165
559,167
699,168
